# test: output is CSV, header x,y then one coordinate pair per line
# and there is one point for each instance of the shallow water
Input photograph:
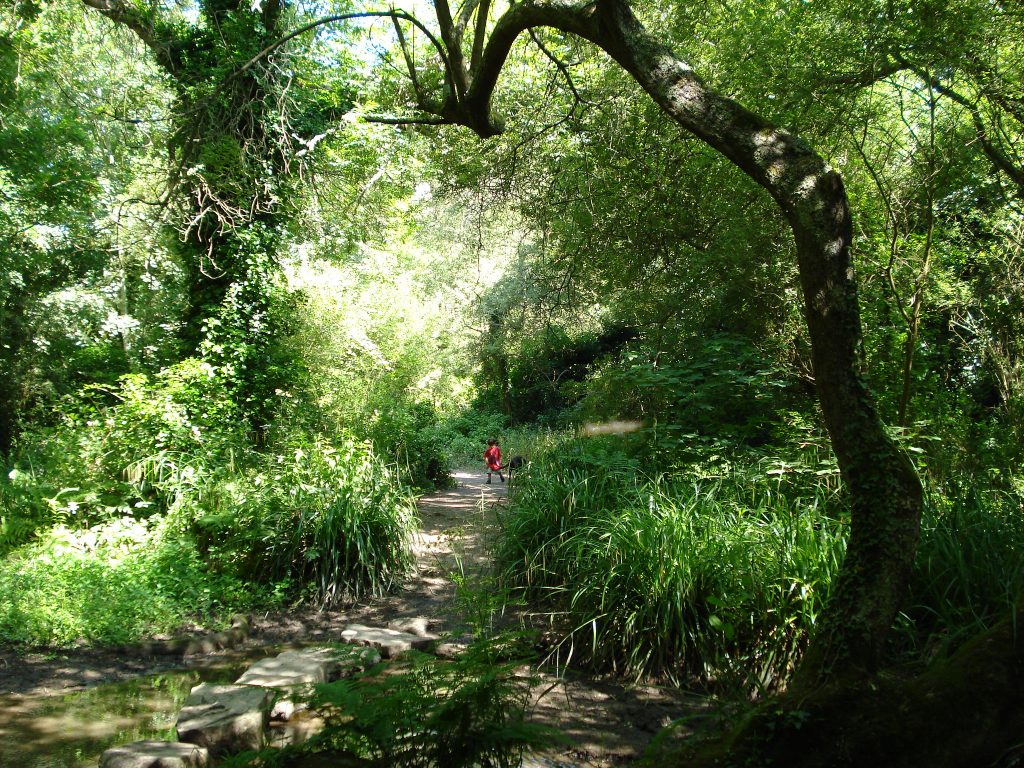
x,y
72,730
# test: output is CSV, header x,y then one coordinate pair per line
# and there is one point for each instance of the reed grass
x,y
722,579
653,577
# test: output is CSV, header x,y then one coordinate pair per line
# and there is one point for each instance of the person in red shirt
x,y
492,458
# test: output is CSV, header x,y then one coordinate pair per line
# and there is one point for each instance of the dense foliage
x,y
715,571
257,290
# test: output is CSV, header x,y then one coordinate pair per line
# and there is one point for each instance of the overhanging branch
x,y
128,15
389,120
392,14
999,159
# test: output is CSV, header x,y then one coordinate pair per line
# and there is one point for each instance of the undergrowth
x,y
139,516
111,584
428,713
683,579
718,573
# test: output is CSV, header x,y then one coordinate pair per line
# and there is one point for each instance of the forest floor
x,y
605,721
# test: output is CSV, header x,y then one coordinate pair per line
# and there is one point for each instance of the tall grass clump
x,y
699,580
969,570
327,516
719,572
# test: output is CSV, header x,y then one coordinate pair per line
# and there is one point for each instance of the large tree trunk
x,y
963,713
884,490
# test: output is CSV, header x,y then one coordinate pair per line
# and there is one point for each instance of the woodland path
x,y
605,722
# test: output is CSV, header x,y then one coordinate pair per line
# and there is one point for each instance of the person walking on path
x,y
492,458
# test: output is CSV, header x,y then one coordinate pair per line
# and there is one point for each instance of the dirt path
x,y
605,722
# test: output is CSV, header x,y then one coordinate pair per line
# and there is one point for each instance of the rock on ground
x,y
225,719
155,754
390,642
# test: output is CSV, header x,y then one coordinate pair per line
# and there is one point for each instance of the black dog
x,y
514,464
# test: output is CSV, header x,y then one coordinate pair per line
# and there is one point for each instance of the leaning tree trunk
x,y
884,490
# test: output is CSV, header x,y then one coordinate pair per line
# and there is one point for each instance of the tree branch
x,y
479,36
998,157
453,40
128,15
559,64
392,14
465,15
874,73
409,63
573,17
388,120
897,63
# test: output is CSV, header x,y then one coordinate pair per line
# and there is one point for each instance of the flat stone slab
x,y
420,626
155,754
390,642
292,668
225,718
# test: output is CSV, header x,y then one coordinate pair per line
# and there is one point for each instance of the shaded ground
x,y
605,722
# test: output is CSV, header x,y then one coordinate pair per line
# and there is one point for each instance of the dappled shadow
x,y
51,673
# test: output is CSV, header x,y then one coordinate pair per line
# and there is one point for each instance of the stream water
x,y
72,730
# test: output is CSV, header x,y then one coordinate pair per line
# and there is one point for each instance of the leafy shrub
x,y
111,583
408,432
724,390
135,457
720,572
308,516
467,434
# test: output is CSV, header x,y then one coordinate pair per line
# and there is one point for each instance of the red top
x,y
493,458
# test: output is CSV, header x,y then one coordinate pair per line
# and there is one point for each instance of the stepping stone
x,y
155,754
416,625
390,642
292,668
225,718
297,729
451,649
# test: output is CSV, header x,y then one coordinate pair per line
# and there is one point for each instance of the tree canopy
x,y
748,228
